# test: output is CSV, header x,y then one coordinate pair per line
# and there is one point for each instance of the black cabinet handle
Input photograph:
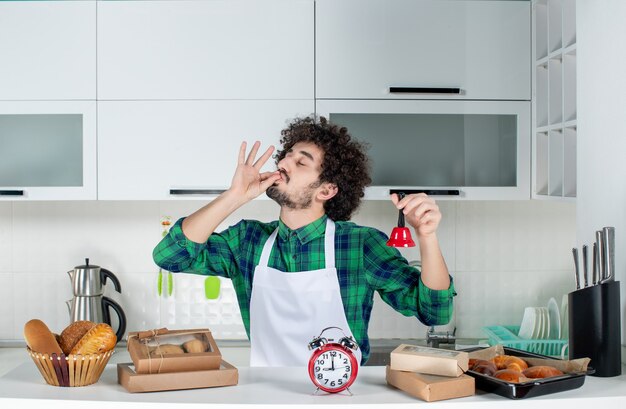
x,y
182,192
11,193
423,90
429,192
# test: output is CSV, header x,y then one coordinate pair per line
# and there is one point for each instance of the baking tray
x,y
532,388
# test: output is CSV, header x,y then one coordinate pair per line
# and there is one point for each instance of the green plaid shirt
x,y
364,264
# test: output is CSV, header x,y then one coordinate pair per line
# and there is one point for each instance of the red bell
x,y
400,236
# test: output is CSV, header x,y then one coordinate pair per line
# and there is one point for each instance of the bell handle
x,y
400,212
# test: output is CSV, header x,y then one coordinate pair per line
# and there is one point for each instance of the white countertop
x,y
21,383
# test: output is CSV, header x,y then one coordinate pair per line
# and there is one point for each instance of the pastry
x,y
73,333
541,372
40,339
503,362
489,368
195,345
166,349
97,340
508,375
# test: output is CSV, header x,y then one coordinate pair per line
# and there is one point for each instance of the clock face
x,y
333,368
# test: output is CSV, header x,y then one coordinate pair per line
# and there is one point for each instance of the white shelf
x,y
555,167
554,93
569,162
568,8
569,87
555,86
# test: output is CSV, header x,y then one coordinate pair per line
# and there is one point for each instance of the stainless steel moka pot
x,y
89,302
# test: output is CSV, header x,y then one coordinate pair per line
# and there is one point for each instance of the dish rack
x,y
507,336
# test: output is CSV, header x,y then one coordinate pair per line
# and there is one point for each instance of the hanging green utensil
x,y
212,288
170,283
160,283
166,221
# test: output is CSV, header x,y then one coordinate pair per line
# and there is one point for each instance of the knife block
x,y
595,327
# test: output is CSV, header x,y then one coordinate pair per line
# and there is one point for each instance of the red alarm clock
x,y
333,367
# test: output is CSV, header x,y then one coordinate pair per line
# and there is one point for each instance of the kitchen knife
x,y
600,245
608,237
575,253
585,273
594,265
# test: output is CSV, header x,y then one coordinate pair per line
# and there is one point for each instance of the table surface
x,y
267,387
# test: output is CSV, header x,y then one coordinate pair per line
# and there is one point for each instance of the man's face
x,y
300,170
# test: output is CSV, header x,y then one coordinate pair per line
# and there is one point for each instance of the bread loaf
x,y
97,340
40,339
73,333
541,372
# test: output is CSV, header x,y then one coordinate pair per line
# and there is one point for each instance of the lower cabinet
x,y
160,150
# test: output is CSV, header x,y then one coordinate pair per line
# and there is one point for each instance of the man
x,y
312,268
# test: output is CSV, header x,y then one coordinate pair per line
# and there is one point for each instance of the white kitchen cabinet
x,y
47,50
205,49
47,150
366,47
476,150
146,149
554,125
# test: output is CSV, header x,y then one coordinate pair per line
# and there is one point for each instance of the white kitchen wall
x,y
502,255
601,99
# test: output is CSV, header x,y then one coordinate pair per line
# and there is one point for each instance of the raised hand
x,y
420,211
248,182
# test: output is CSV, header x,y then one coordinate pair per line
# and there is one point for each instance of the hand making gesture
x,y
248,182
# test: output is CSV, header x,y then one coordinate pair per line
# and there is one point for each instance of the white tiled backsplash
x,y
503,256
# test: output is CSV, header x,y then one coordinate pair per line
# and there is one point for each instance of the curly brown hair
x,y
345,163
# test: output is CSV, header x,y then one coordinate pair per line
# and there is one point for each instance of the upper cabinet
x,y
158,150
216,49
47,150
473,150
423,49
47,50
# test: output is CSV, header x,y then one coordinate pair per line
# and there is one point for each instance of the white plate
x,y
539,323
564,317
543,322
555,319
546,323
527,327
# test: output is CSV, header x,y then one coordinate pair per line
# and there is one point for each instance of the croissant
x,y
508,375
541,372
97,340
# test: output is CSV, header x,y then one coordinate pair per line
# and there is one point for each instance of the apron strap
x,y
329,243
267,249
329,246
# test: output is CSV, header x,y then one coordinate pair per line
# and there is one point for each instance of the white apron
x,y
287,310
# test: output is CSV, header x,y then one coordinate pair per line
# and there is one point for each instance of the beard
x,y
300,200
